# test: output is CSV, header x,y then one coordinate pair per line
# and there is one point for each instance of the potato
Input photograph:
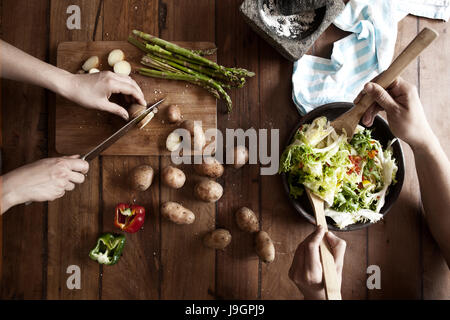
x,y
173,177
247,220
141,177
122,67
210,168
92,62
240,156
208,191
176,213
217,239
146,120
198,138
115,56
174,114
264,247
81,71
135,109
173,141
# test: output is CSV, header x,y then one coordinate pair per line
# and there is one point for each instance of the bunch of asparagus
x,y
169,61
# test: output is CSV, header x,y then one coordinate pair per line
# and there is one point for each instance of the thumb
x,y
381,96
117,110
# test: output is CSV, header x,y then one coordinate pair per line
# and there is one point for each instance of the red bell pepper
x,y
129,218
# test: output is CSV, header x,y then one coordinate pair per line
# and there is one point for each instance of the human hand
x,y
94,90
306,269
43,180
404,111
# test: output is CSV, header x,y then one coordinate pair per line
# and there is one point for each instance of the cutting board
x,y
78,130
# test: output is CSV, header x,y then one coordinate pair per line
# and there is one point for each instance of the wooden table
x,y
168,262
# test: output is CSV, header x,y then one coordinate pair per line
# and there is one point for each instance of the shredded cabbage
x,y
353,178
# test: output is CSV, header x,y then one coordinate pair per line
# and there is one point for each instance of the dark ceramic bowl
x,y
380,132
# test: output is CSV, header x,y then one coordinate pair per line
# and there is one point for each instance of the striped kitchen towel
x,y
361,56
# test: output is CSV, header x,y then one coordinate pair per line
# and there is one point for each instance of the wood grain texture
x,y
188,268
137,274
78,131
238,269
73,230
24,141
434,93
73,219
400,229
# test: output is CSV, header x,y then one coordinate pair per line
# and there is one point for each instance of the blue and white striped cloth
x,y
360,56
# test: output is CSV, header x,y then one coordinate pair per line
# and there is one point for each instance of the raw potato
x,y
115,56
208,191
264,247
217,239
122,67
135,109
141,177
198,138
94,70
147,119
173,177
240,156
176,213
210,168
246,220
174,114
173,142
92,62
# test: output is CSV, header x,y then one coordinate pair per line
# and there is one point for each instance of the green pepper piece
x,y
108,249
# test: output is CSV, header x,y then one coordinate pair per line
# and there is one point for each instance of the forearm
x,y
433,170
20,66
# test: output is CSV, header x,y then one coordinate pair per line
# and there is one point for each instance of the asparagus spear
x,y
148,61
189,78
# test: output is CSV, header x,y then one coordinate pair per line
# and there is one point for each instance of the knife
x,y
119,134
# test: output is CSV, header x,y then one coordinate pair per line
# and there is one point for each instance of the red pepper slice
x,y
129,218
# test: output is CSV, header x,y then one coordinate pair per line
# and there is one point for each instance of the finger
x,y
338,247
370,114
312,255
128,86
69,186
78,165
76,177
116,109
381,96
75,156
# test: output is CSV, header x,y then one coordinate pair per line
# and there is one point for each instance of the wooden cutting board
x,y
78,130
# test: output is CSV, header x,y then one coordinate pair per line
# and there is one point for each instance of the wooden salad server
x,y
349,122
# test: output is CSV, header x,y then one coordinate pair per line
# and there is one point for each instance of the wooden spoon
x,y
348,121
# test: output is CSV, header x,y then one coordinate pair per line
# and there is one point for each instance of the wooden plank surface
x,y
24,113
137,274
73,219
401,227
434,93
188,268
165,261
78,131
238,272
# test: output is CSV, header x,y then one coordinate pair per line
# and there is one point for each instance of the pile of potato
x,y
116,59
207,190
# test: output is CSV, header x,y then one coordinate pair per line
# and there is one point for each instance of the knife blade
x,y
119,133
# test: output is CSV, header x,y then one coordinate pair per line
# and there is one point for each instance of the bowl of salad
x,y
358,179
